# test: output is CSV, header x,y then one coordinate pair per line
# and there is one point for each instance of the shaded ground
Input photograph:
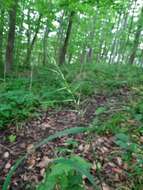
x,y
100,149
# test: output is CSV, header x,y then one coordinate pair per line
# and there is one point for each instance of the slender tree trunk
x,y
45,45
125,31
70,58
11,37
18,43
28,32
122,42
116,41
31,45
82,53
136,39
89,55
120,47
66,41
1,36
90,52
114,38
104,53
125,53
60,35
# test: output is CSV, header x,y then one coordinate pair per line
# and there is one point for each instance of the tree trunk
x,y
60,35
125,53
1,36
115,41
136,39
11,37
89,56
45,45
31,45
66,41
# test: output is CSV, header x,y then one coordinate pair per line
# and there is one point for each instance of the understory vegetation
x,y
71,94
54,87
21,98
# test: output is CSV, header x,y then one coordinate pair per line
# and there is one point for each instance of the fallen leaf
x,y
141,139
81,148
42,172
8,165
30,148
6,155
44,163
86,148
94,166
117,170
105,186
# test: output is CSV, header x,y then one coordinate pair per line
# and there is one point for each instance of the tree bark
x,y
66,41
136,39
11,37
31,45
129,31
1,36
45,45
115,40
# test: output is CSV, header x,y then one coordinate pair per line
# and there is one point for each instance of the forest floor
x,y
113,147
97,148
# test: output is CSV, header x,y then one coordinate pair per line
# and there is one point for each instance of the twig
x,y
7,149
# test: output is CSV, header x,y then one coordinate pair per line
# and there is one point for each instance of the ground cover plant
x,y
109,111
71,95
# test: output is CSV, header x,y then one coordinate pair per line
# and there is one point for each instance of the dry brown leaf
x,y
45,126
119,161
94,166
141,139
81,148
30,148
86,148
31,163
105,187
8,165
117,170
42,172
44,163
6,155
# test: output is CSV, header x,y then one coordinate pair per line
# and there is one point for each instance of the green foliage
x,y
112,124
63,85
100,110
132,154
68,148
66,174
97,78
16,106
137,111
12,138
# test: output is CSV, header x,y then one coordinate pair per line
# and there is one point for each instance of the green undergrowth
x,y
121,117
22,95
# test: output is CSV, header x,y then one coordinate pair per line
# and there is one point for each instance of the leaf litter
x,y
109,169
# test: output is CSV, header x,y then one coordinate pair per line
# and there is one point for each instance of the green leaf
x,y
122,137
100,110
80,166
12,138
11,172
